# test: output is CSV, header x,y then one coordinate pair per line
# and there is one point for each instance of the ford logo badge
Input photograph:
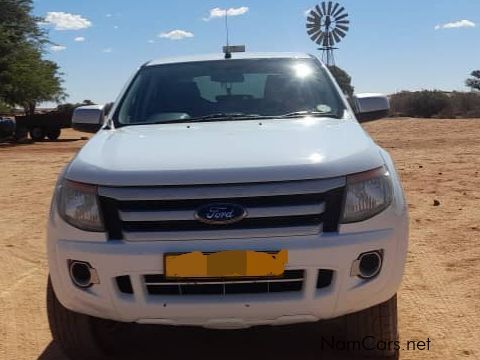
x,y
220,214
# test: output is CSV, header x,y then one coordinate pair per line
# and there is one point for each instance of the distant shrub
x,y
435,104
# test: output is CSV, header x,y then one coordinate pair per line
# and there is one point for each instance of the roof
x,y
221,56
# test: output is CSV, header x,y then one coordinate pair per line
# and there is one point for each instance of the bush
x,y
436,104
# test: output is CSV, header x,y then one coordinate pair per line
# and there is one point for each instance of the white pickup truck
x,y
227,193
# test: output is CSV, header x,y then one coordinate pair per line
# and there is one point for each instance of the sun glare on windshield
x,y
302,70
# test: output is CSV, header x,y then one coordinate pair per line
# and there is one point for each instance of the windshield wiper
x,y
212,117
310,113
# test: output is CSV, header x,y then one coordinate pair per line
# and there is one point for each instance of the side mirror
x,y
88,118
369,107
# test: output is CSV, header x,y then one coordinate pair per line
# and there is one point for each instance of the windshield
x,y
228,89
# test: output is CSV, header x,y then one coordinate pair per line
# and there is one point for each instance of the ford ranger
x,y
225,193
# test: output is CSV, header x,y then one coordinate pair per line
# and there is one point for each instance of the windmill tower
x,y
327,25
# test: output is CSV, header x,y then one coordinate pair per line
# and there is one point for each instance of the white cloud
x,y
456,25
220,13
107,50
176,35
66,21
58,48
79,39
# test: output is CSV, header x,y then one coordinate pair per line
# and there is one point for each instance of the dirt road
x,y
440,296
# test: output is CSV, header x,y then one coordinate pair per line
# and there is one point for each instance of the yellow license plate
x,y
226,264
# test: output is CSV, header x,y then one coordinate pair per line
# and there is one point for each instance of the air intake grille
x,y
291,281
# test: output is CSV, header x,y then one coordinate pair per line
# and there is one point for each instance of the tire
x,y
37,134
376,329
74,332
53,134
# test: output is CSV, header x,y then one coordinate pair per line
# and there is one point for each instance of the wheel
x,y
74,332
375,329
53,134
37,133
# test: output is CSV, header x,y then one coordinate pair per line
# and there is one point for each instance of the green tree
x,y
33,80
17,26
343,79
474,81
25,77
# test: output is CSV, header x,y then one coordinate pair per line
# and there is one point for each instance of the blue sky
x,y
391,46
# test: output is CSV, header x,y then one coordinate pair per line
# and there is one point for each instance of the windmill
x,y
327,25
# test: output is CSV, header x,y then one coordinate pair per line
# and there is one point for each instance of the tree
x,y
474,82
33,80
17,26
25,77
343,79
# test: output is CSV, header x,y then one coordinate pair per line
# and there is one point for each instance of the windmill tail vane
x,y
327,25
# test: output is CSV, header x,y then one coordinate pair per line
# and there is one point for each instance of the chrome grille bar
x,y
256,212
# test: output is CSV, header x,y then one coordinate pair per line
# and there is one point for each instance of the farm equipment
x,y
41,126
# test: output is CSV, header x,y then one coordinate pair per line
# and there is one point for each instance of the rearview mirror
x,y
227,77
88,118
370,107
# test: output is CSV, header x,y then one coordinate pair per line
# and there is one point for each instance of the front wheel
x,y
74,332
375,330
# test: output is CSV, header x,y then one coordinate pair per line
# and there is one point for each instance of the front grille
x,y
291,281
274,209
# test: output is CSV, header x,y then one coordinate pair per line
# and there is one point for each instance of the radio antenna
x,y
228,54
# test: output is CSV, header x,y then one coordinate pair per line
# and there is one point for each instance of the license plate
x,y
226,264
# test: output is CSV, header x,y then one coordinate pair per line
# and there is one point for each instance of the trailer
x,y
41,126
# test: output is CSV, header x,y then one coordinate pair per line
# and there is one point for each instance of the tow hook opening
x,y
368,265
83,275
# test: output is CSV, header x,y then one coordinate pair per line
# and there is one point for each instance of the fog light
x,y
368,265
82,274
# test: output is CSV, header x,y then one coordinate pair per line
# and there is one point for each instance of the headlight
x,y
367,194
78,206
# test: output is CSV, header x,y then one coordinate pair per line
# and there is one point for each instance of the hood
x,y
225,152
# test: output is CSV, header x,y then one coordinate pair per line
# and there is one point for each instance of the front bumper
x,y
346,294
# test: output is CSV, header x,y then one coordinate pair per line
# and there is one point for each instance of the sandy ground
x,y
440,296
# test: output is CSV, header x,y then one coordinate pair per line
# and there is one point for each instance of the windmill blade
x,y
344,28
343,22
336,37
338,12
339,33
313,22
341,17
329,9
314,16
324,8
319,38
313,27
319,11
312,32
315,36
331,39
335,8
